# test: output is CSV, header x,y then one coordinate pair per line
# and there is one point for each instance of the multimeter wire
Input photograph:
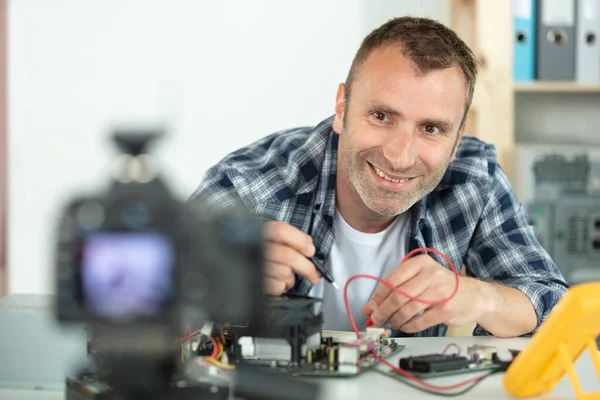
x,y
421,384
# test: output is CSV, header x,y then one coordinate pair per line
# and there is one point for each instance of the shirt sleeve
x,y
505,249
224,187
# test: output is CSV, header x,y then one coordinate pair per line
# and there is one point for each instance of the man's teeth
x,y
387,178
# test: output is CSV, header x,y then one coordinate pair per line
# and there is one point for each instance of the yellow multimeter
x,y
570,329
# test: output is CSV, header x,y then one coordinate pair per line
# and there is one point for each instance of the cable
x,y
206,361
188,337
215,348
216,354
438,392
452,345
392,287
422,384
218,357
219,363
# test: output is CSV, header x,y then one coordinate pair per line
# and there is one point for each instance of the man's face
x,y
399,133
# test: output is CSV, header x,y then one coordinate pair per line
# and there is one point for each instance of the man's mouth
x,y
395,179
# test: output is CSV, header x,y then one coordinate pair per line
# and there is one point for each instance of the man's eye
x,y
431,129
379,116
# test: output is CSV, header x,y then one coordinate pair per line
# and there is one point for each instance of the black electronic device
x,y
291,326
478,358
293,343
136,265
434,363
136,255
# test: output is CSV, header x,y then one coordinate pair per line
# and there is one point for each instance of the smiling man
x,y
390,172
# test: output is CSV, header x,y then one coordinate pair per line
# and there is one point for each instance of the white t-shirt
x,y
355,252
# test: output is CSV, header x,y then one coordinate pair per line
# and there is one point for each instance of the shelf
x,y
557,87
497,116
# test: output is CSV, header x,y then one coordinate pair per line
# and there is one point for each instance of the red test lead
x,y
422,383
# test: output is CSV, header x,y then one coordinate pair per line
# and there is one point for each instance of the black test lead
x,y
326,274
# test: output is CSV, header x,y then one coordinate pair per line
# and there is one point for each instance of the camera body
x,y
139,267
118,261
137,256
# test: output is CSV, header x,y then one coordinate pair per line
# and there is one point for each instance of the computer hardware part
x,y
560,189
549,171
478,358
330,358
569,228
294,343
434,363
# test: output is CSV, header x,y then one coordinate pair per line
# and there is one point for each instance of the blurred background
x,y
221,74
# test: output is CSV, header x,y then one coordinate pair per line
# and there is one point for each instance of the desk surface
x,y
373,385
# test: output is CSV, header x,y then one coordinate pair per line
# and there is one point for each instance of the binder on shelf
x,y
524,16
556,40
587,46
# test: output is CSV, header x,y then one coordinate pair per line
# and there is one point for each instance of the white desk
x,y
373,385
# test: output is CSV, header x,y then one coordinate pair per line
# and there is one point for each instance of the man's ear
x,y
340,107
459,137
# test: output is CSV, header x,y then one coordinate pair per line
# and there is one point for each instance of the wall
x,y
3,148
221,74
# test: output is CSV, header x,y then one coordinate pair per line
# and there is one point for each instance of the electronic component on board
x,y
478,358
295,343
482,354
434,363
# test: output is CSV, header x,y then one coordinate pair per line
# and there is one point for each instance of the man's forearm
x,y
512,313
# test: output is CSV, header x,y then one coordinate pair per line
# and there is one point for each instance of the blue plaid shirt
x,y
473,216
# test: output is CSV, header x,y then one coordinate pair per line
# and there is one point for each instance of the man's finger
x,y
274,287
407,270
282,254
289,235
281,272
395,301
406,313
433,316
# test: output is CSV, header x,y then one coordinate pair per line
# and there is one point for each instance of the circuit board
x,y
466,370
292,342
321,369
478,359
340,355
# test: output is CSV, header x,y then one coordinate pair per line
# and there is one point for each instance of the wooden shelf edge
x,y
557,87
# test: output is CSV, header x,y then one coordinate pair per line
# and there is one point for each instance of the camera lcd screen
x,y
126,274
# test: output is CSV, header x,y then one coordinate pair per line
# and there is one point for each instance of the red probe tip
x,y
369,322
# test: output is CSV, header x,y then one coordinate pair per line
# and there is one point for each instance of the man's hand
x,y
286,252
422,277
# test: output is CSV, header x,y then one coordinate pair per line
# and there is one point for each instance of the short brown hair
x,y
427,43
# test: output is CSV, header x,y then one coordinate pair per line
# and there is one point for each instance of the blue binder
x,y
524,16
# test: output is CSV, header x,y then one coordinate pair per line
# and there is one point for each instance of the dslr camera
x,y
138,267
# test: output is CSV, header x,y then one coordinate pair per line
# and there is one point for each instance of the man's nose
x,y
400,149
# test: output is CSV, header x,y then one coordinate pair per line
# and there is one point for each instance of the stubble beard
x,y
385,202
